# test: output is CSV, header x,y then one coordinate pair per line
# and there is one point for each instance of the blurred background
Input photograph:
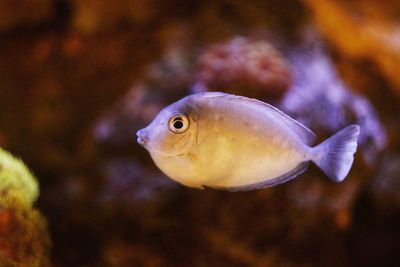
x,y
79,78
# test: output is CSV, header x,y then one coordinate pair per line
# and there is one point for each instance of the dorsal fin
x,y
302,131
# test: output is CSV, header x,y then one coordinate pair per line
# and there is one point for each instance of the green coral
x,y
16,181
24,239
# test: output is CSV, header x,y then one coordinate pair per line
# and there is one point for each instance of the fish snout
x,y
143,137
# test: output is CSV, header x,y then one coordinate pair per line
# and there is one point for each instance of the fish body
x,y
236,143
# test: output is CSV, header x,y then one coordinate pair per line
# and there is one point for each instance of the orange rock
x,y
364,30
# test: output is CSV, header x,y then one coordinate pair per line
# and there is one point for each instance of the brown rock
x,y
24,13
100,16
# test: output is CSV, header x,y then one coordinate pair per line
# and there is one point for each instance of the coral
x,y
242,66
16,181
24,240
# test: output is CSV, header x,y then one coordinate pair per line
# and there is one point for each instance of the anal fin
x,y
302,167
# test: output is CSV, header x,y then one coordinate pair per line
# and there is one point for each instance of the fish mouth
x,y
142,137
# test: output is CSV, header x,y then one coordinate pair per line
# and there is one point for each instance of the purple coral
x,y
320,100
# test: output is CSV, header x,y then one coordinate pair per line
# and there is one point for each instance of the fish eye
x,y
178,123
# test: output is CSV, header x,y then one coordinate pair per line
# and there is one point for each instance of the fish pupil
x,y
178,124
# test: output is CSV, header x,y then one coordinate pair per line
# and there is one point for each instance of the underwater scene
x,y
281,147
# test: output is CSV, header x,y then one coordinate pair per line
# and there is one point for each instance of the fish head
x,y
172,132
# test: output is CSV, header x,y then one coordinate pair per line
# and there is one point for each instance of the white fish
x,y
237,143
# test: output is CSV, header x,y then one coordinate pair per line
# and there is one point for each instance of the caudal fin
x,y
336,154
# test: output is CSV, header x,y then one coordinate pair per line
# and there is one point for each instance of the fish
x,y
231,142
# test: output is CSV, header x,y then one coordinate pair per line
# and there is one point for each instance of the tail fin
x,y
335,155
